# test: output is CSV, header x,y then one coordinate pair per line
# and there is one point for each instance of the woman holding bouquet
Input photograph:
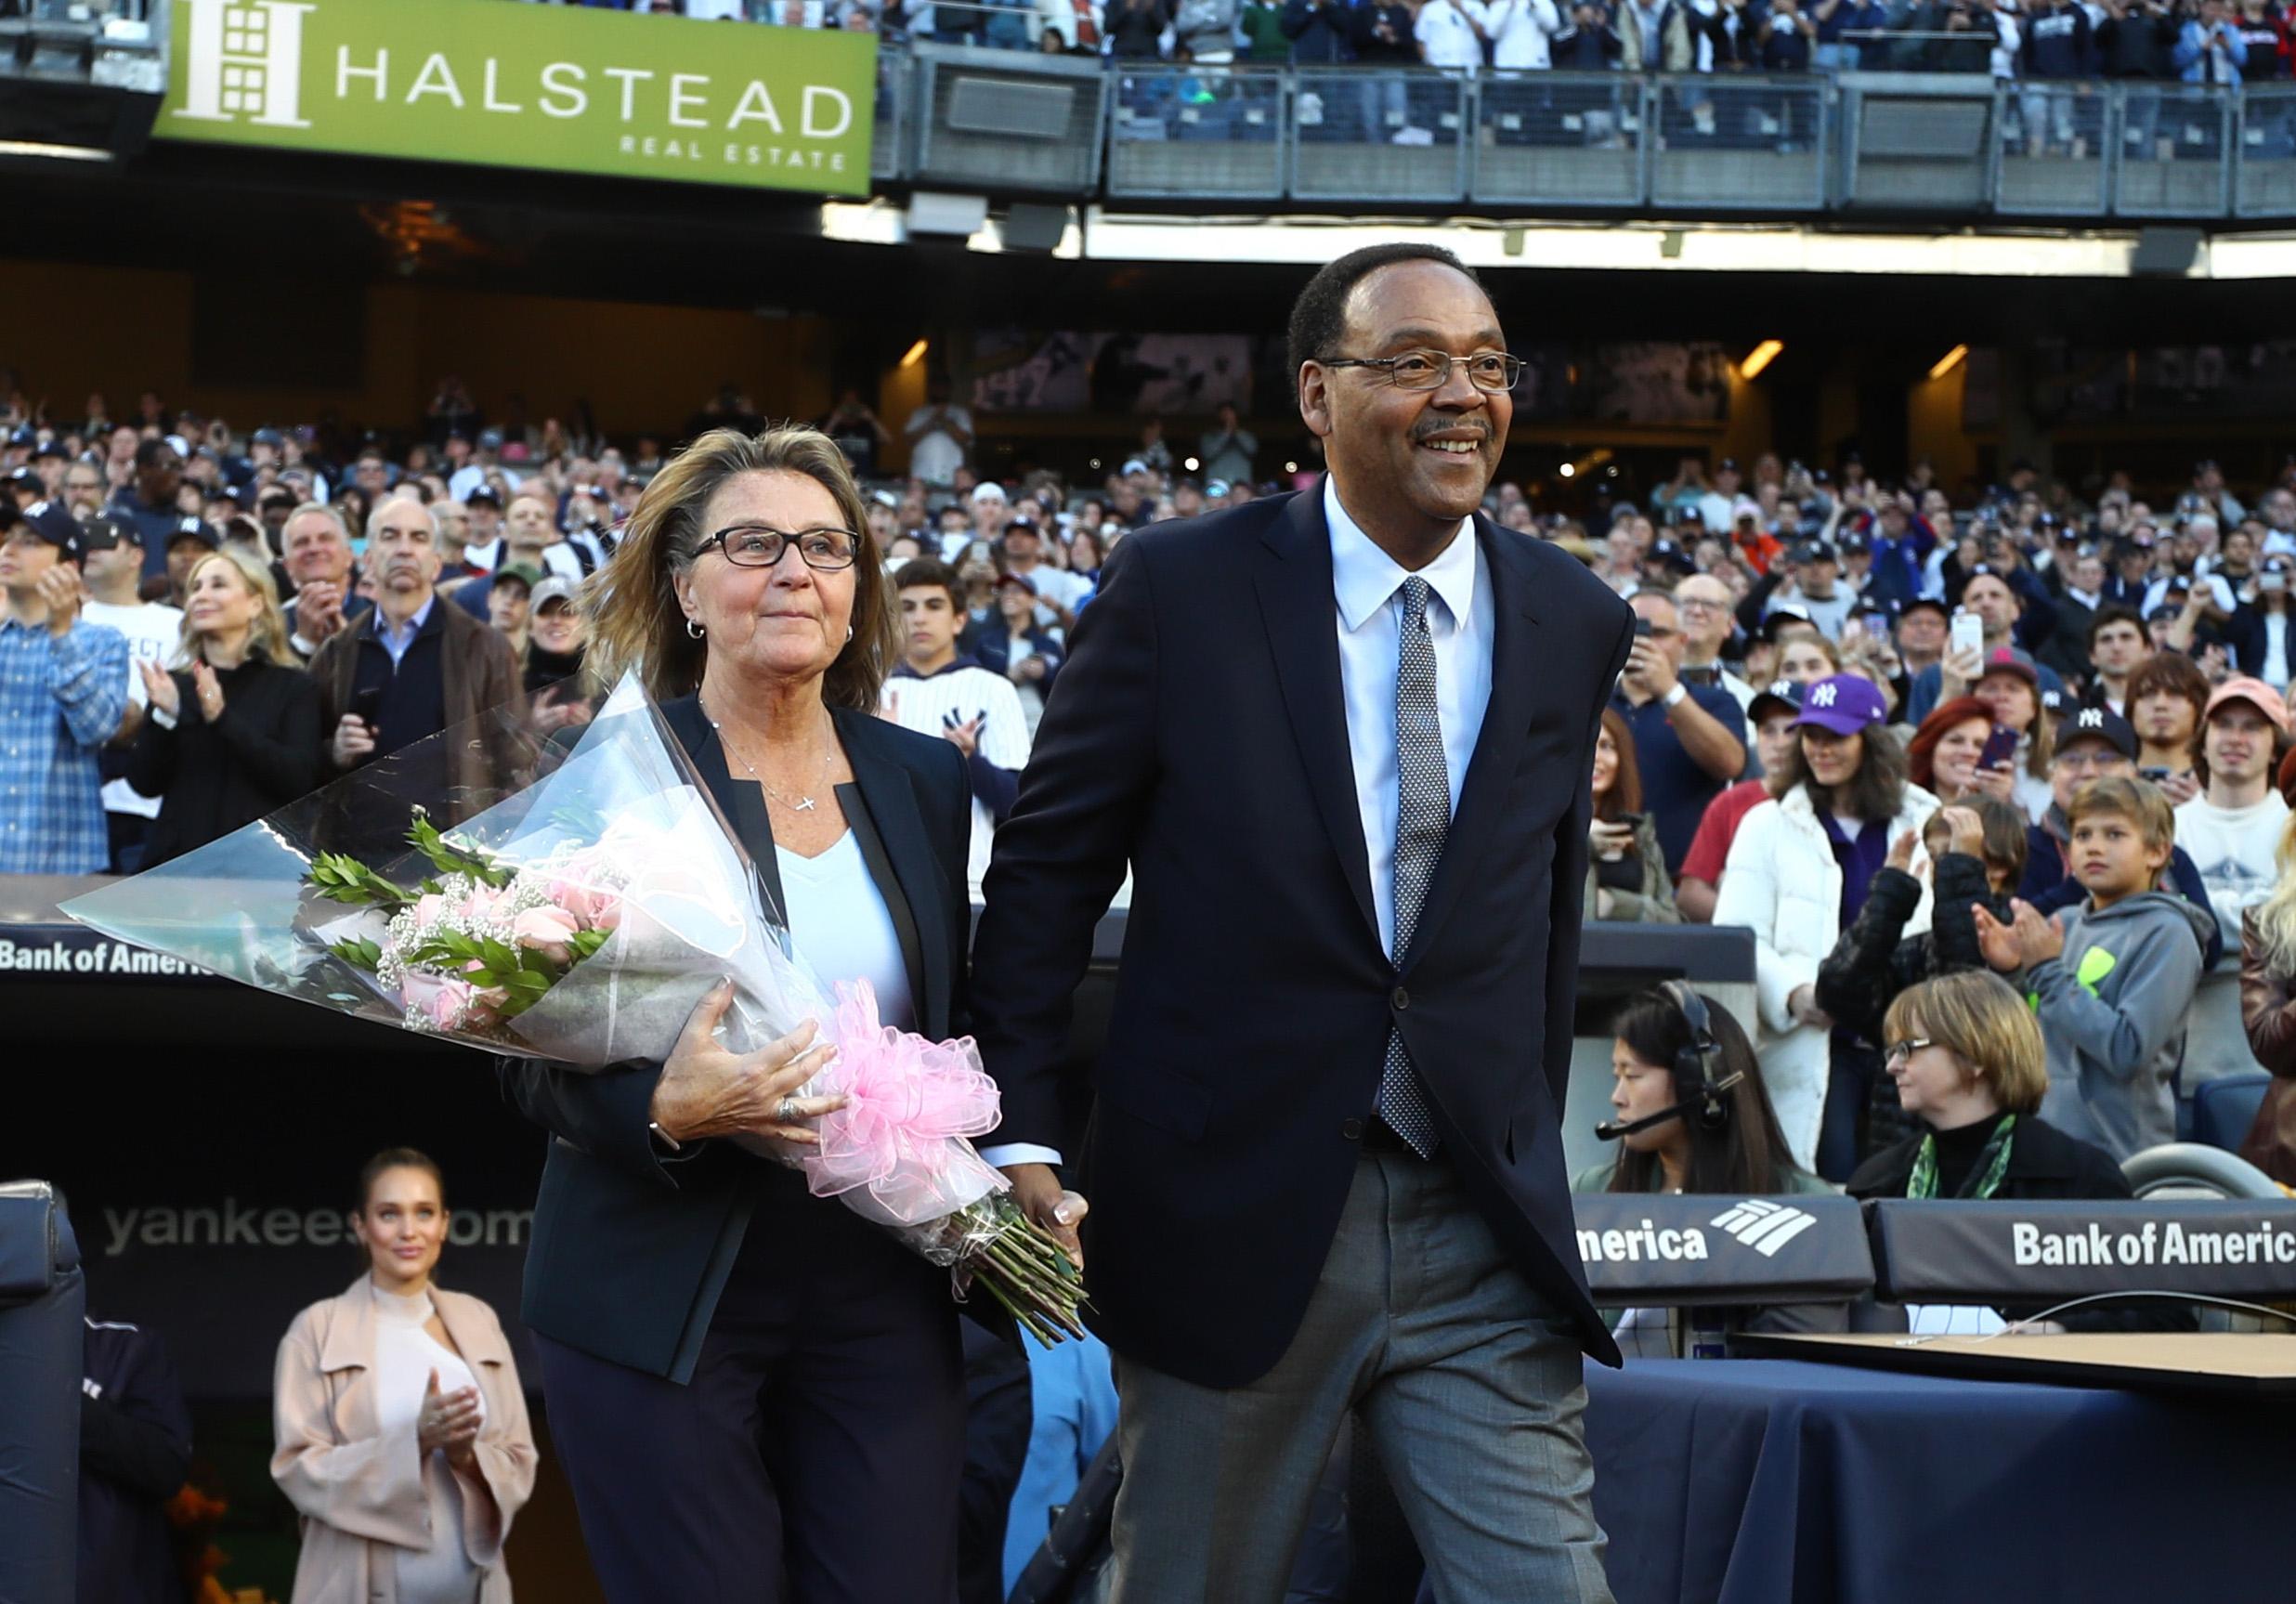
x,y
758,1395
402,1428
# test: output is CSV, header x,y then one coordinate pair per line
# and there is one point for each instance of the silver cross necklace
x,y
804,803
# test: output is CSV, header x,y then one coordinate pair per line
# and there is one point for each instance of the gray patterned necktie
x,y
1422,818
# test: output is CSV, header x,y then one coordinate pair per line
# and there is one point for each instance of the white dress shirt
x,y
1367,585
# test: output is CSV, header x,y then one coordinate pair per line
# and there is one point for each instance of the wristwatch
x,y
1676,695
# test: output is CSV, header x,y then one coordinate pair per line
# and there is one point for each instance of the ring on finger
x,y
786,1113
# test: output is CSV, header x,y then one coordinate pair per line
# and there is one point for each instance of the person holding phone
x,y
2167,696
1957,754
413,667
2020,746
1690,740
2267,648
1625,872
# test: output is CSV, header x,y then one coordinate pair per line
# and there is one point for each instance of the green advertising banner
x,y
564,88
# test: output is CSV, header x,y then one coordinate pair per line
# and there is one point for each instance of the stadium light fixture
x,y
1948,362
42,150
1190,463
1568,469
1761,357
916,355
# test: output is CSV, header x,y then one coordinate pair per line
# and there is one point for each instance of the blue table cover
x,y
1775,1481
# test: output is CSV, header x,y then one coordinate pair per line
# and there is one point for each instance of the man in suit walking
x,y
1342,740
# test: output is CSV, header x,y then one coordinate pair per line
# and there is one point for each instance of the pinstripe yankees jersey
x,y
957,694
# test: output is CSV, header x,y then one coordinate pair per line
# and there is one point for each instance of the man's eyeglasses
x,y
1695,604
1898,1051
755,546
1490,371
2090,759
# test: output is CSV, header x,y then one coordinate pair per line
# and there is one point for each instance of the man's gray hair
x,y
332,514
374,518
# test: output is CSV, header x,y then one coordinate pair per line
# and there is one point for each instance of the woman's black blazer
x,y
631,1247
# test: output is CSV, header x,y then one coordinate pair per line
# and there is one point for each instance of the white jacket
x,y
1520,32
1782,881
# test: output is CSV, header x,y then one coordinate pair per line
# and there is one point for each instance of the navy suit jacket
x,y
630,1252
1198,736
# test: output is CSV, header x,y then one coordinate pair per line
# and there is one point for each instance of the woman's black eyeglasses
x,y
1491,371
755,546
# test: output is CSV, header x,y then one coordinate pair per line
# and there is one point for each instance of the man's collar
x,y
902,671
1366,578
414,623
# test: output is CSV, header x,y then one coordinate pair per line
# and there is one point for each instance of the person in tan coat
x,y
402,1426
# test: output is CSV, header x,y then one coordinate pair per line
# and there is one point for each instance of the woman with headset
x,y
1693,1116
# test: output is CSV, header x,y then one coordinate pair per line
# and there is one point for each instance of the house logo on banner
x,y
245,60
562,89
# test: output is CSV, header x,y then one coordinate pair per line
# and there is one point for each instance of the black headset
x,y
1694,1066
1696,1089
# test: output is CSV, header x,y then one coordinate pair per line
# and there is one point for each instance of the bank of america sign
x,y
566,89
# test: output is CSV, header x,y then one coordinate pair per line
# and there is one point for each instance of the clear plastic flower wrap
x,y
577,906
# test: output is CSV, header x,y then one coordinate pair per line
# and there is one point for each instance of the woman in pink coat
x,y
402,1431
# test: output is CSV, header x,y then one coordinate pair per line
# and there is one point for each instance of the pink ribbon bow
x,y
909,1100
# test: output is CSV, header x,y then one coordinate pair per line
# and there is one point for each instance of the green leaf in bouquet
x,y
499,956
340,878
586,943
448,859
359,952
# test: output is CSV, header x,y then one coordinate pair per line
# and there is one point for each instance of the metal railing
x,y
1925,141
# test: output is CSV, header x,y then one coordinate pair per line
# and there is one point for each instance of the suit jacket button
x,y
1400,1000
1352,1129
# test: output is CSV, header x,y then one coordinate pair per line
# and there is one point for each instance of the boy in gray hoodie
x,y
2111,986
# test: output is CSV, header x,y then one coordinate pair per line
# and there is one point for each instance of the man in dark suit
x,y
1342,740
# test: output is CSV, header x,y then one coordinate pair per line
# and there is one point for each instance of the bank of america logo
x,y
243,62
1765,1227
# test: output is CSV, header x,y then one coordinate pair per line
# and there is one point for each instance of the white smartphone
x,y
1968,632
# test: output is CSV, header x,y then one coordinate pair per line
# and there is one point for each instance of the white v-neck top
x,y
839,921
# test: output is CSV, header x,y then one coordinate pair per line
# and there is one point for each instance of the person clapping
x,y
235,732
401,1428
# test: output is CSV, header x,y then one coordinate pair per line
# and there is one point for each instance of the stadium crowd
x,y
1862,719
2194,41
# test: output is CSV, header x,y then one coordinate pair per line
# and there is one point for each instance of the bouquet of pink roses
x,y
580,919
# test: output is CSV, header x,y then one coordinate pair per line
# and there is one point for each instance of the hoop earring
x,y
694,631
849,631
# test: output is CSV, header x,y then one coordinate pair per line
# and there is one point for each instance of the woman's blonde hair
x,y
2276,916
1979,1018
631,603
268,632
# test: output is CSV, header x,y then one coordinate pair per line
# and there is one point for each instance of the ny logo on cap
x,y
1823,696
2091,719
1781,689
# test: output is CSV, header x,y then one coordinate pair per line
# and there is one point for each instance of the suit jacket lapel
x,y
899,825
1296,602
743,806
1506,728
